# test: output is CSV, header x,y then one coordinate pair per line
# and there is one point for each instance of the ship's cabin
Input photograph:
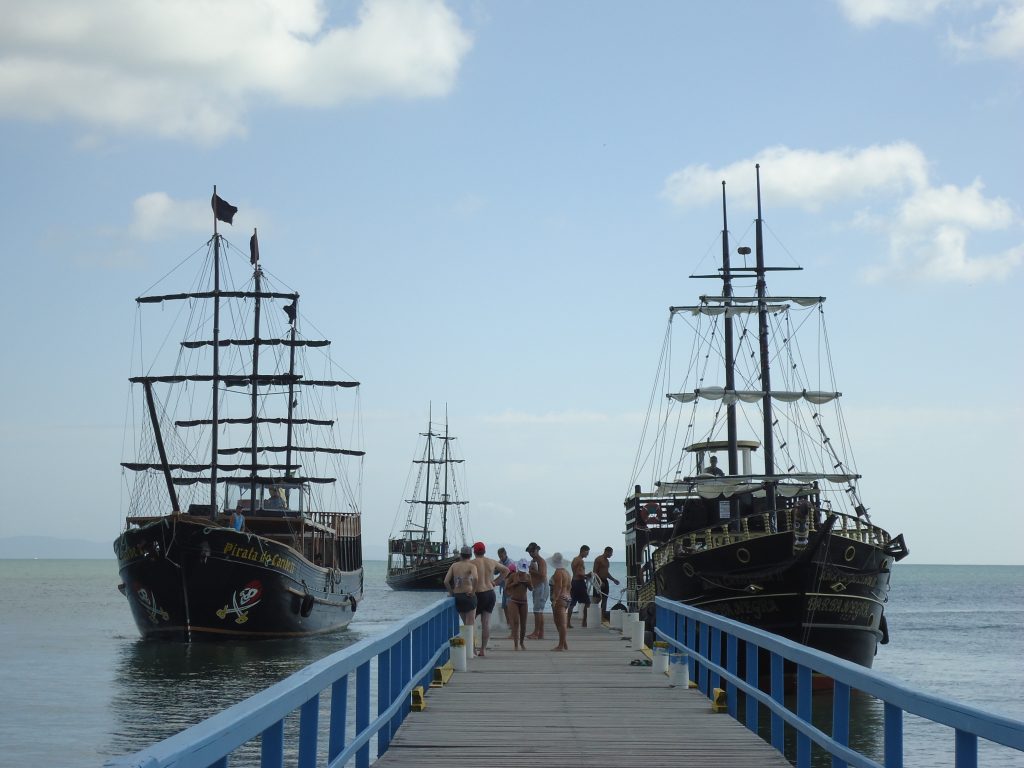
x,y
282,499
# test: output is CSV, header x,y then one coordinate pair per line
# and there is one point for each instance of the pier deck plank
x,y
585,707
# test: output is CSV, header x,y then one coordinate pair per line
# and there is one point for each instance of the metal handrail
x,y
404,656
703,636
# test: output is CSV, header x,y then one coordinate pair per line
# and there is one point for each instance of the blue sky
x,y
492,205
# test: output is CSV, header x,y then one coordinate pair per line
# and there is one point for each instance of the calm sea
x,y
78,686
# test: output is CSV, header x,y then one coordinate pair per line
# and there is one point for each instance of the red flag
x,y
254,249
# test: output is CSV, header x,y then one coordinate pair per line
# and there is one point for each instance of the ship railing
x,y
764,524
705,638
401,659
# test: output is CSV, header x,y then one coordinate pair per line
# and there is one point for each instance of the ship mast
x,y
257,274
214,415
730,363
293,317
444,498
430,472
762,325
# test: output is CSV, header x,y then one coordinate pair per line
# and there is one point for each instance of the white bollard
x,y
457,647
678,671
615,619
659,664
467,632
636,637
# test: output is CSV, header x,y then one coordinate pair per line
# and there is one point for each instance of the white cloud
x,y
191,70
1002,37
928,226
1000,34
157,214
804,177
865,13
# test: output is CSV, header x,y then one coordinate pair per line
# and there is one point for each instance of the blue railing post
x,y
840,718
339,717
893,750
966,750
751,677
732,664
716,658
803,711
691,642
383,698
272,746
779,697
363,712
702,648
309,722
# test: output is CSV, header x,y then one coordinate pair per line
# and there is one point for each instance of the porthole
x,y
688,569
743,555
849,553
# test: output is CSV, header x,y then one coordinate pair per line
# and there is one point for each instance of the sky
x,y
493,205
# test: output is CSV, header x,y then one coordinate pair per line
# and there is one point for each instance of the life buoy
x,y
306,607
352,602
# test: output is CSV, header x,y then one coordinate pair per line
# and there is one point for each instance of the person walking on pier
x,y
485,594
601,571
460,581
517,587
579,595
539,585
505,560
560,600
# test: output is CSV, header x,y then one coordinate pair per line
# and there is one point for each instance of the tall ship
x,y
420,553
753,508
243,512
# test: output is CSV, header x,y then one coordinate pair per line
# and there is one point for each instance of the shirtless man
x,y
539,585
601,566
485,595
578,588
460,581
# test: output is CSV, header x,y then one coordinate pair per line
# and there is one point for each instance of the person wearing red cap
x,y
485,595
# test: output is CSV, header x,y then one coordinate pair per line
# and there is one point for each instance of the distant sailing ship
x,y
418,558
789,548
243,520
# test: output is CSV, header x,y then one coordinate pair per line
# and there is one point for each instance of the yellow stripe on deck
x,y
585,707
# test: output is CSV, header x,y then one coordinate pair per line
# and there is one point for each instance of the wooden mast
x,y
257,273
444,498
215,415
730,363
762,325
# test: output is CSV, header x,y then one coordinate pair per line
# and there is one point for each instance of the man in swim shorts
x,y
578,587
485,595
539,585
460,581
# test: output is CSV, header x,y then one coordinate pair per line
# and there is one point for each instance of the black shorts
x,y
578,591
485,601
465,602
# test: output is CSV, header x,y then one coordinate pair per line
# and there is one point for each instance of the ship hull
x,y
422,577
830,597
190,581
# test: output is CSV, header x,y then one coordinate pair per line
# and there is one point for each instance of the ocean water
x,y
78,686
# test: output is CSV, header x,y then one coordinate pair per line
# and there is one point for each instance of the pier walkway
x,y
585,707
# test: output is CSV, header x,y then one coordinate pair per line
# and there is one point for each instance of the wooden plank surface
x,y
584,707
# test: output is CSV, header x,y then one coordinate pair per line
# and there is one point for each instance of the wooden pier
x,y
585,707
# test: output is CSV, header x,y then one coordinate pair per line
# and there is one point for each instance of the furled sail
x,y
728,311
730,396
143,466
803,301
261,342
215,294
297,448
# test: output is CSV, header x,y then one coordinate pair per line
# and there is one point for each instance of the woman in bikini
x,y
517,588
560,599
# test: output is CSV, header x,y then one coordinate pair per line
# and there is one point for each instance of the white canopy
x,y
730,396
713,486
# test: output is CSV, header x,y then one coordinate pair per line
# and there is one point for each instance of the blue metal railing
x,y
700,635
405,657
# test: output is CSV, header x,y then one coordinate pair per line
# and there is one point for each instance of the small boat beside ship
x,y
244,518
787,546
419,554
